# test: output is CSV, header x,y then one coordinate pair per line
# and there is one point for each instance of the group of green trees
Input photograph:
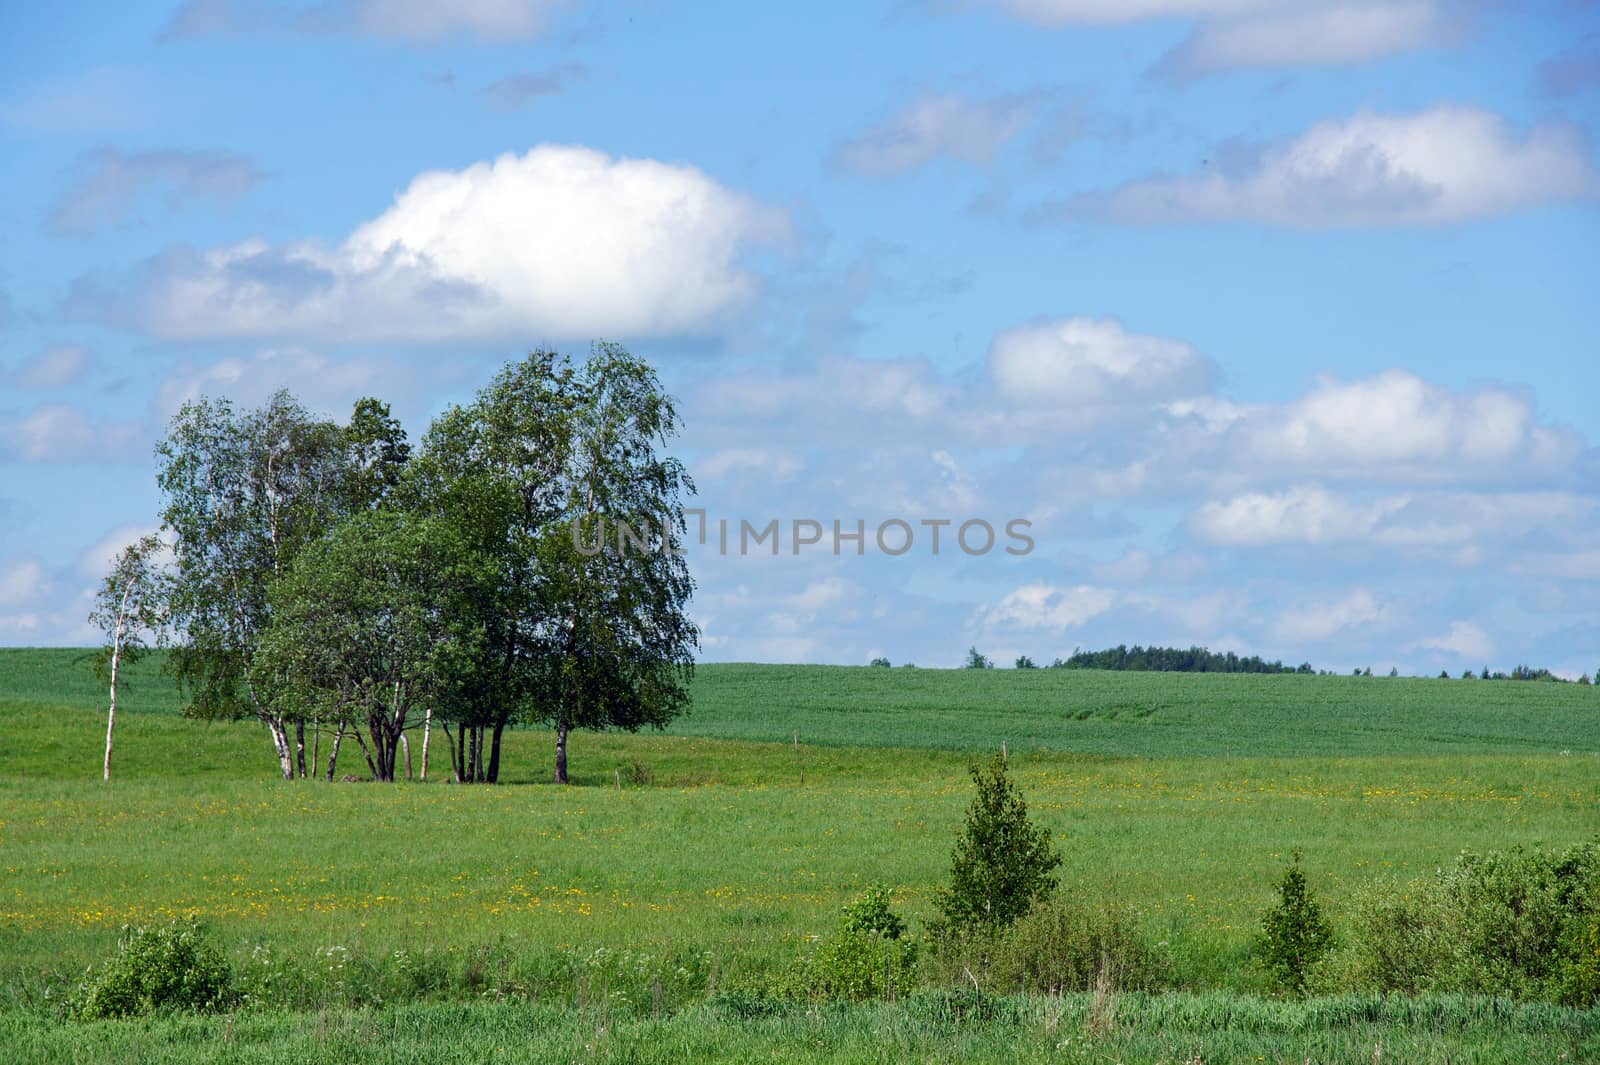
x,y
1174,660
333,581
1137,658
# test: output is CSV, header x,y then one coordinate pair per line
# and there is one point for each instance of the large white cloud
x,y
559,243
1445,164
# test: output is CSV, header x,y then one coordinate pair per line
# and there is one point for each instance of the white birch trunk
x,y
427,733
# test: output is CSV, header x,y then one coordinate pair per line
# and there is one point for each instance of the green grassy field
x,y
1179,796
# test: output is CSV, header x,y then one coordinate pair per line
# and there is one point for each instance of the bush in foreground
x,y
869,957
1295,933
1060,947
157,970
1521,922
1002,862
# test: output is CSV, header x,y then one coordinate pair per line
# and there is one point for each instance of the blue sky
x,y
1275,318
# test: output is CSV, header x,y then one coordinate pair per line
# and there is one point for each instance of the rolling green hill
x,y
1152,715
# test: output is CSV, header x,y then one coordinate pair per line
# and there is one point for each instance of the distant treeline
x,y
1174,660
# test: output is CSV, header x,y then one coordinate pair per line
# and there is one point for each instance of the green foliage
x,y
977,660
1174,660
1579,980
1001,864
880,662
1061,946
953,1027
1295,932
1516,922
868,957
871,914
543,471
1024,662
156,970
373,622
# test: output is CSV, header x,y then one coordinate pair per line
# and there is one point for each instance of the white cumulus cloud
x,y
560,242
1402,422
1360,609
1094,361
1464,640
1045,606
1442,165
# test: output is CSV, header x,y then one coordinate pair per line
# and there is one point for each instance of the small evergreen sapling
x,y
1002,862
1295,933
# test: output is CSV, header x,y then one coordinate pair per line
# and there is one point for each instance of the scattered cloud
x,y
60,432
1232,34
1410,427
1464,640
1359,610
516,91
1443,165
101,99
1047,607
1094,361
935,126
326,385
22,581
97,559
53,368
1573,71
561,242
412,21
1300,35
106,185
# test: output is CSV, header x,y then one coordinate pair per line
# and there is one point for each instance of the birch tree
x,y
617,587
129,608
244,493
377,620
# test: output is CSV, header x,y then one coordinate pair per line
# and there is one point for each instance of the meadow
x,y
683,865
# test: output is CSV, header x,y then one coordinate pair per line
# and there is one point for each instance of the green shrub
x,y
1579,984
1001,864
1295,932
869,957
156,970
1062,947
871,913
1514,922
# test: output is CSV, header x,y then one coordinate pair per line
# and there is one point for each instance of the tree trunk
x,y
427,734
494,752
472,753
562,728
300,746
316,743
333,758
405,744
111,718
280,743
356,732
